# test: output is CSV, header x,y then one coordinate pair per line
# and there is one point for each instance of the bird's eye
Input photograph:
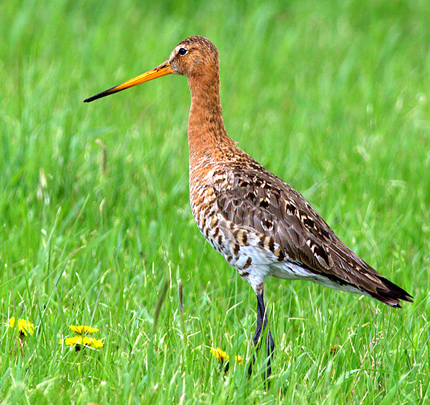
x,y
182,51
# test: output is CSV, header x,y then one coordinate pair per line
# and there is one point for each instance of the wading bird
x,y
261,225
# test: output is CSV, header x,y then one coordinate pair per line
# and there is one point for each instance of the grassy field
x,y
332,96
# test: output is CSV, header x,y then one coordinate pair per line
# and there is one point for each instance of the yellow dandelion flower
x,y
220,355
238,359
82,329
82,341
24,326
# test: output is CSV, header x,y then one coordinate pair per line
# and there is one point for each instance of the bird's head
x,y
194,57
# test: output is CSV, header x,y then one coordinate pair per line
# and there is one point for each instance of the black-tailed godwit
x,y
261,225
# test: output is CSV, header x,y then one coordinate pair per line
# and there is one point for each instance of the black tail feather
x,y
392,294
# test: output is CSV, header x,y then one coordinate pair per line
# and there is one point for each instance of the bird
x,y
261,225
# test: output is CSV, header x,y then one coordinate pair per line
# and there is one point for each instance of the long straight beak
x,y
162,70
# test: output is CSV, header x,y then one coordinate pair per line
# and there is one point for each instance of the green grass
x,y
331,96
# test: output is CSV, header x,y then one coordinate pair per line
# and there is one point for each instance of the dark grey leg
x,y
261,327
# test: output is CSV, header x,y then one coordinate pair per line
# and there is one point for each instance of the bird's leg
x,y
261,327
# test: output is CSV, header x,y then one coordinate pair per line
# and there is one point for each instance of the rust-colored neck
x,y
207,138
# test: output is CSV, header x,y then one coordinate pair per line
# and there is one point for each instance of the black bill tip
x,y
100,95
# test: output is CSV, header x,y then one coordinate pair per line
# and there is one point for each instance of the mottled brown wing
x,y
259,200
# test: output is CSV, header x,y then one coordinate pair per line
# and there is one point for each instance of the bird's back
x,y
263,227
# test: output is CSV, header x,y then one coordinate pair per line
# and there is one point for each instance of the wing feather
x,y
258,200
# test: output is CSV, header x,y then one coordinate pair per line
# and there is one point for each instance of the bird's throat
x,y
206,132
